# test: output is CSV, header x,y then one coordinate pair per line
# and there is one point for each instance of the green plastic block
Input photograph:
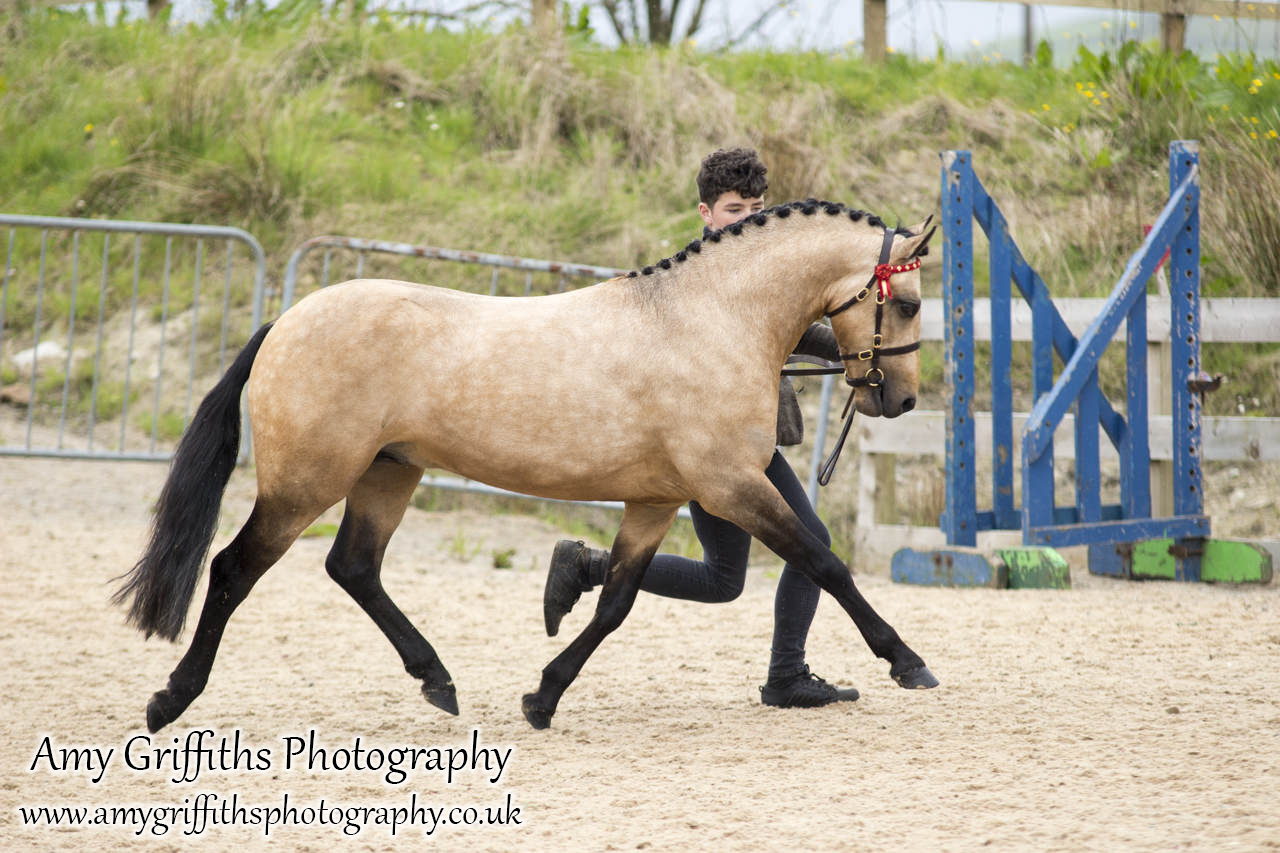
x,y
1223,561
1035,568
1228,561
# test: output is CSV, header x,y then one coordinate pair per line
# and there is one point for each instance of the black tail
x,y
164,580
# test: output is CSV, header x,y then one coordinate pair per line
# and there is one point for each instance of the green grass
x,y
291,123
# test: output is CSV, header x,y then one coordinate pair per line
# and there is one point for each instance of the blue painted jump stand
x,y
1088,521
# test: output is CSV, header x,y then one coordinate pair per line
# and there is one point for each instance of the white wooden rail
x,y
923,433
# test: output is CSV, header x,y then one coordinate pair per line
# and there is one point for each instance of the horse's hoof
x,y
919,678
538,717
445,698
160,711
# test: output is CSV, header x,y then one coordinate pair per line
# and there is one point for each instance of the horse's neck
x,y
766,289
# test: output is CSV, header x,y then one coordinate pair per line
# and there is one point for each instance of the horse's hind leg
x,y
637,541
753,503
262,541
375,508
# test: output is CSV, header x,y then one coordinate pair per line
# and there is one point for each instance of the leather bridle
x,y
884,271
874,376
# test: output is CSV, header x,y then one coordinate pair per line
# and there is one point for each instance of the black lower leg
x,y
356,563
641,533
229,584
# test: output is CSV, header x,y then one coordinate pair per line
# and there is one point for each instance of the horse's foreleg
x,y
375,508
638,538
755,505
260,543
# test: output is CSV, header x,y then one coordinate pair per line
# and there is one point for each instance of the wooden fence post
x,y
1173,26
875,14
544,15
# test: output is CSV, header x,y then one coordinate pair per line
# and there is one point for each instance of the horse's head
x,y
876,319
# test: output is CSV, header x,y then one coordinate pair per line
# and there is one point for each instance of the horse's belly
x,y
567,465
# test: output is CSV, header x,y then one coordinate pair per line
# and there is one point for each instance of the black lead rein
x,y
874,376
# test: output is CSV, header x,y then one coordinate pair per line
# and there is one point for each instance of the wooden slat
x,y
1226,439
1222,319
1224,8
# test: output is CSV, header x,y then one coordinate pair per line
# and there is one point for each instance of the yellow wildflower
x,y
88,128
1253,134
1044,107
1272,134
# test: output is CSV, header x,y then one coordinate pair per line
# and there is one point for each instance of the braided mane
x,y
808,207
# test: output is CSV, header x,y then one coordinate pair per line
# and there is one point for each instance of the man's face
x,y
728,209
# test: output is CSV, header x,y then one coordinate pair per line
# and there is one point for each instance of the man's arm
x,y
818,340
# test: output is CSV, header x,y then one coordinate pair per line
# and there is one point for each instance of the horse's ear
x,y
914,247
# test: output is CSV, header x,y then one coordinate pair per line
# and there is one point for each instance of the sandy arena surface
x,y
1114,716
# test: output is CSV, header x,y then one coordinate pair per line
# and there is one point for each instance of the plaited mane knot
x,y
808,207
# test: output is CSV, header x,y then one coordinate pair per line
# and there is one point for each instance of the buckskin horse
x,y
653,389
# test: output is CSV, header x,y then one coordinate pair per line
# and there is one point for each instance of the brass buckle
x,y
866,355
877,341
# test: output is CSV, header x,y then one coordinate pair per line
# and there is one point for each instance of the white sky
x,y
967,30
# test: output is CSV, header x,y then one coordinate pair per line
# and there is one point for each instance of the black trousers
x,y
720,575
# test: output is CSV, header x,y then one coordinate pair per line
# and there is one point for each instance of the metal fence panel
x,y
112,331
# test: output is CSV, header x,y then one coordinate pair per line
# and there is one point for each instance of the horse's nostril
x,y
908,404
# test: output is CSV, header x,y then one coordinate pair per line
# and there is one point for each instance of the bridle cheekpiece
x,y
880,280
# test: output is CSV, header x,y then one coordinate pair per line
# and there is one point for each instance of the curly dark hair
x,y
735,170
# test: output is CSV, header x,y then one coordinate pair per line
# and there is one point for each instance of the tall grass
x,y
289,122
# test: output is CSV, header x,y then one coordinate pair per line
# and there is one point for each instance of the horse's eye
x,y
908,309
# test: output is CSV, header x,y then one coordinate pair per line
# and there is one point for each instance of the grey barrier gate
x,y
66,314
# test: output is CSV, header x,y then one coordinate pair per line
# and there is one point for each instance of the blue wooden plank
x,y
946,567
1037,474
1135,450
1184,293
1088,476
1048,411
1029,283
1105,560
959,518
1124,530
1002,248
1061,515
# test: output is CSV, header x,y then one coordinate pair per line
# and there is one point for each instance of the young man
x,y
731,186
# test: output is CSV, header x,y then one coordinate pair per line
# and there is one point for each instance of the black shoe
x,y
566,580
804,690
